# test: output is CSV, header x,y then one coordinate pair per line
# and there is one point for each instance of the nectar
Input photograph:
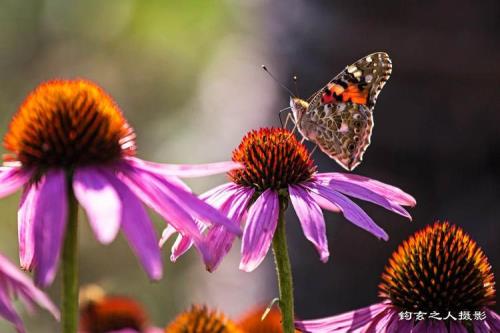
x,y
273,159
440,268
199,319
66,123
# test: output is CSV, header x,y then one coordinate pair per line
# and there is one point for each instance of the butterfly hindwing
x,y
340,116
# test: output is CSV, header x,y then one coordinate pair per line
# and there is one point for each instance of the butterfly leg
x,y
279,115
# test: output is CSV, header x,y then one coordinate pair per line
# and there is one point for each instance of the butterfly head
x,y
299,107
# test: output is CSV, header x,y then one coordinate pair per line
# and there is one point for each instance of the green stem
x,y
70,266
284,272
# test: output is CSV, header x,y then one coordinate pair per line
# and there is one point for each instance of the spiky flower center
x,y
273,159
112,314
64,123
440,268
199,319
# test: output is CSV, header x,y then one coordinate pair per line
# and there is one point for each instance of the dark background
x,y
187,76
436,129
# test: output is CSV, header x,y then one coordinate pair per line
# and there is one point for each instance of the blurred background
x,y
187,76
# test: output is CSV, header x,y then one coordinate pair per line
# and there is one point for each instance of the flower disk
x,y
199,319
273,159
112,314
440,268
64,123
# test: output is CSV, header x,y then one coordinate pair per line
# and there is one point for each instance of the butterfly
x,y
339,117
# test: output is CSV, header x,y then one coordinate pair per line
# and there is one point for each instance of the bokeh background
x,y
187,75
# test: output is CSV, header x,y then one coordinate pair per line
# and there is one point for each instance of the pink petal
x,y
364,193
185,170
100,201
346,322
311,219
259,230
390,192
325,204
219,240
26,216
380,322
11,179
138,229
182,245
168,232
50,225
351,211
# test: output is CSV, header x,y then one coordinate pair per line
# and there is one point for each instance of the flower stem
x,y
70,266
284,272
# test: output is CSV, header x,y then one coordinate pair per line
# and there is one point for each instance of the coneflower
x,y
201,319
70,145
438,280
278,171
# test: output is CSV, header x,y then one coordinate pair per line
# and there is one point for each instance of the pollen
x,y
200,319
112,313
67,123
439,268
273,159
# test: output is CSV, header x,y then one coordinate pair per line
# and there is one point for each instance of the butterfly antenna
x,y
277,81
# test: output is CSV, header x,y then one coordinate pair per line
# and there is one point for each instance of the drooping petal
x,y
220,240
185,170
311,219
100,201
8,311
50,225
457,327
182,245
23,286
493,320
380,322
26,216
325,204
480,326
350,210
365,193
168,232
138,229
12,179
343,323
389,192
259,230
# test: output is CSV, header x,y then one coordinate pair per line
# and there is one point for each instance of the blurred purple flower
x,y
437,281
71,131
14,283
277,165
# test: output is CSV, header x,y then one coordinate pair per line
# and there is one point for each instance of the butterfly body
x,y
339,117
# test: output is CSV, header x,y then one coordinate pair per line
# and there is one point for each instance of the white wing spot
x,y
357,74
369,59
368,78
351,69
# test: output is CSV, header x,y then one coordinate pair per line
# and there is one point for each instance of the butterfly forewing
x,y
339,117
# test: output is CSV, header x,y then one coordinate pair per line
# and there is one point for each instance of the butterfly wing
x,y
339,118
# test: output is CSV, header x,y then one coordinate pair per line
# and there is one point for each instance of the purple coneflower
x,y
438,280
278,166
14,283
71,144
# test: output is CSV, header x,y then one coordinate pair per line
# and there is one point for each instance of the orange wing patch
x,y
353,93
335,92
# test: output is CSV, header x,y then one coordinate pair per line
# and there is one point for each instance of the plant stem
x,y
70,266
284,272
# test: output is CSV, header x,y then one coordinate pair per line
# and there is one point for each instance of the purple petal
x,y
8,311
259,230
480,326
182,245
219,240
146,188
346,322
364,193
24,286
50,225
26,216
351,211
311,219
138,229
457,327
185,170
325,204
493,320
11,179
389,192
380,322
100,201
168,232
